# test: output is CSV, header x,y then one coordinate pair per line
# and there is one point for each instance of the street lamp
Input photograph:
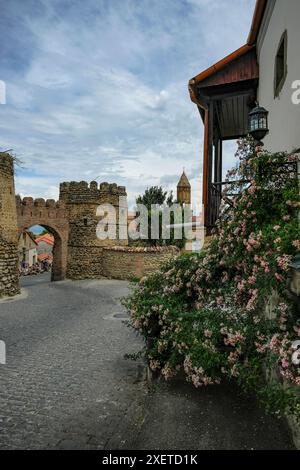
x,y
258,124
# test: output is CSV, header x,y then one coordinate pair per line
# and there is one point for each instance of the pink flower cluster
x,y
232,338
284,262
253,243
196,374
296,244
251,305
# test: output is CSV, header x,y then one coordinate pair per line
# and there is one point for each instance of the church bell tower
x,y
184,190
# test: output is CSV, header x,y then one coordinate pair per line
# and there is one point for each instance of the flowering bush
x,y
205,313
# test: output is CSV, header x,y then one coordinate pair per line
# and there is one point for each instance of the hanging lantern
x,y
258,124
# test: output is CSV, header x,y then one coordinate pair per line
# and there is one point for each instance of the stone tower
x,y
9,276
82,200
184,190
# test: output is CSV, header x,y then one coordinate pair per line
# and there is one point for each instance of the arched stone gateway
x,y
78,253
72,220
53,216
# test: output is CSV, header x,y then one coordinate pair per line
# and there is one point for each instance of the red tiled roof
x,y
131,216
47,238
45,256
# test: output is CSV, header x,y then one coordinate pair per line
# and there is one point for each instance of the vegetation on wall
x,y
226,313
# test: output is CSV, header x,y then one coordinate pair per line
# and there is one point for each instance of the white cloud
x,y
100,89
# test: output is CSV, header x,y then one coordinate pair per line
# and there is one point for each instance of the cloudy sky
x,y
97,89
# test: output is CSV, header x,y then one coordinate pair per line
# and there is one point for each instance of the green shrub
x,y
205,313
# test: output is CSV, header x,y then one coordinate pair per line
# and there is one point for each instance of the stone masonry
x,y
54,217
75,221
85,249
9,277
121,262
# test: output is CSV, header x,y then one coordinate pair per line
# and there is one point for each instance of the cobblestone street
x,y
66,384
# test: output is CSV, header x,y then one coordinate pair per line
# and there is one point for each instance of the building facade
x,y
278,55
45,244
27,249
266,70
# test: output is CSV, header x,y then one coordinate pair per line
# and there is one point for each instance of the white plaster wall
x,y
284,117
31,254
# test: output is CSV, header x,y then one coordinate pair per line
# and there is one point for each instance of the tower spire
x,y
184,189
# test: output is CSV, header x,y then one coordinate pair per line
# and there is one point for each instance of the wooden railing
x,y
217,195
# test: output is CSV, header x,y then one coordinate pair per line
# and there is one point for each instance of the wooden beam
x,y
208,212
234,136
205,158
220,160
216,158
230,90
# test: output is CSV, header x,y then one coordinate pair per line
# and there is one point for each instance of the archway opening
x,y
40,251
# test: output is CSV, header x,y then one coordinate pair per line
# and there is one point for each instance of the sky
x,y
98,89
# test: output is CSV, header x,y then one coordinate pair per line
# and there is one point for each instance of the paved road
x,y
66,384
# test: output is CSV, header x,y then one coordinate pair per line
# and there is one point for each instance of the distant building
x,y
27,249
193,227
131,216
184,190
46,257
45,247
45,244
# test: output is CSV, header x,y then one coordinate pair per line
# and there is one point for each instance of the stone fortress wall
x,y
54,217
9,279
85,250
78,252
121,262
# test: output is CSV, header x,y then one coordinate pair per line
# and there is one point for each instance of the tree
x,y
156,196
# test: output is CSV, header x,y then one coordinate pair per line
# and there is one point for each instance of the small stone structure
x,y
134,262
9,278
